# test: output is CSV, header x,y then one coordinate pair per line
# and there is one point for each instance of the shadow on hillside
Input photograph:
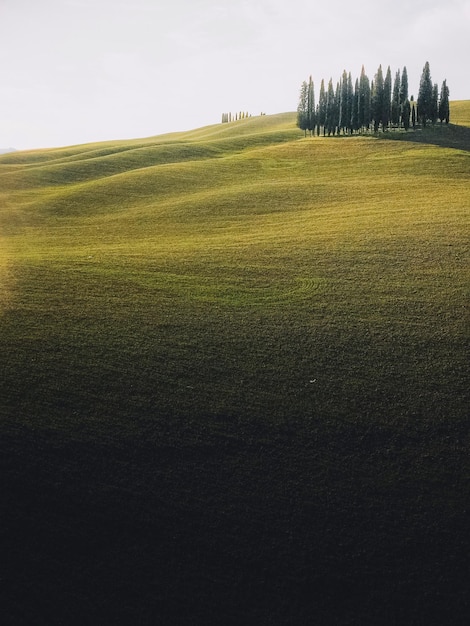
x,y
448,136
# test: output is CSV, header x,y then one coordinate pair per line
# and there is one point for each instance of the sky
x,y
79,71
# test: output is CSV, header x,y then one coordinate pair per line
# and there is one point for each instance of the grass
x,y
460,113
234,378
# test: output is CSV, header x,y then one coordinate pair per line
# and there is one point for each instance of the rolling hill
x,y
234,378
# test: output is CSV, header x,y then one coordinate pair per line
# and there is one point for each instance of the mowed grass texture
x,y
234,381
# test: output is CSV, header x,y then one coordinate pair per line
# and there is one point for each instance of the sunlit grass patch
x,y
460,112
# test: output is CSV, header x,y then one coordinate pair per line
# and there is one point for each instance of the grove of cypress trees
x,y
348,108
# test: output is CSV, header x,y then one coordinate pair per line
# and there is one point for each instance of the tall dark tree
x,y
355,107
364,101
344,114
346,102
425,96
387,100
378,98
404,95
372,103
337,106
330,121
435,104
404,86
350,103
311,106
347,97
302,109
395,117
444,103
322,105
405,114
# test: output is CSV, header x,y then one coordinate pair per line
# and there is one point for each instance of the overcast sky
x,y
74,71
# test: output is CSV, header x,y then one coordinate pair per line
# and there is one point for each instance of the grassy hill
x,y
234,378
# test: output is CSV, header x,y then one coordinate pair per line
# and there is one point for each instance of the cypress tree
x,y
395,118
346,96
311,107
372,103
337,101
322,106
425,96
378,98
361,104
404,86
364,113
343,104
355,107
435,104
444,103
387,100
404,94
330,117
302,109
368,104
350,92
405,114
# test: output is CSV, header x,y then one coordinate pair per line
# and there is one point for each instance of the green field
x,y
234,378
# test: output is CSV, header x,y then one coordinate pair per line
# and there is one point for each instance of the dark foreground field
x,y
284,526
234,381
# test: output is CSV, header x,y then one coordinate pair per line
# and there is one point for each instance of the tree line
x,y
370,105
229,117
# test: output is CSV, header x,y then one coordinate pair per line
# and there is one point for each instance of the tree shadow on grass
x,y
446,136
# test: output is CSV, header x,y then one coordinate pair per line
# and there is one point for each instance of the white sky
x,y
74,71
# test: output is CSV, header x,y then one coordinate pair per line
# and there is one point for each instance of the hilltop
x,y
235,377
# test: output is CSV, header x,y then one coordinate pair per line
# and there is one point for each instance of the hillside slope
x,y
234,378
